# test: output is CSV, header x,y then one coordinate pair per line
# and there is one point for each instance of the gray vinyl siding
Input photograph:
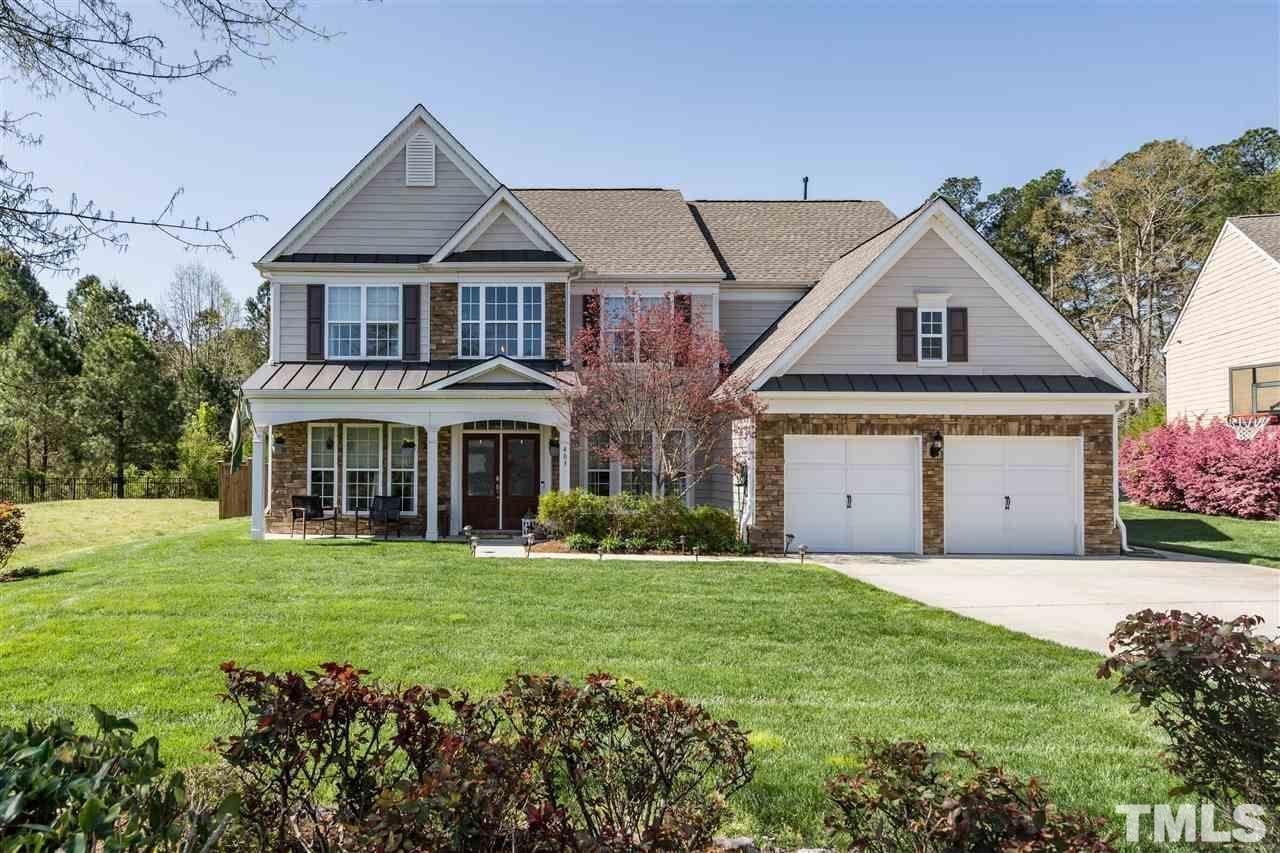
x,y
743,320
864,339
292,320
387,216
716,488
503,235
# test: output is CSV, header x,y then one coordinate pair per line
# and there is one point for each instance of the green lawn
x,y
802,656
60,528
1237,539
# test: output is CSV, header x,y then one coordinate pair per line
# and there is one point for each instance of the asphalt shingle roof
x,y
625,231
837,277
1263,229
787,240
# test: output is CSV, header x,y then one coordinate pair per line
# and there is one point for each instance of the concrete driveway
x,y
1075,601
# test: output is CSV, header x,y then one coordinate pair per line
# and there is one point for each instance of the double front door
x,y
500,479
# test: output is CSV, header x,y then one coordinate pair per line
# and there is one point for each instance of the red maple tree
x,y
649,367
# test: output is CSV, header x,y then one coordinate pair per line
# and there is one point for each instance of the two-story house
x,y
922,397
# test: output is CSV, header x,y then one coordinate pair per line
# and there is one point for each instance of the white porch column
x,y
566,447
257,495
433,483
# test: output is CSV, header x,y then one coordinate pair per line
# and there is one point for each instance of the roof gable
x,y
851,276
498,370
1263,230
460,183
503,224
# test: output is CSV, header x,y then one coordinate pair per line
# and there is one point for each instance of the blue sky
x,y
722,101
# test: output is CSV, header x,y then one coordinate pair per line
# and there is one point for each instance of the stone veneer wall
x,y
289,478
553,313
444,321
1100,533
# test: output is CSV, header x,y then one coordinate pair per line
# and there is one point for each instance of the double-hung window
x,y
1255,390
402,466
500,319
626,335
363,321
598,466
322,462
933,336
637,464
362,465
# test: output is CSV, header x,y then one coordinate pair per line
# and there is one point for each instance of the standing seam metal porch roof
x,y
391,376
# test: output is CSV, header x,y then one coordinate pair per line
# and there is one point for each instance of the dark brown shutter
x,y
957,334
591,322
906,334
684,310
411,295
315,322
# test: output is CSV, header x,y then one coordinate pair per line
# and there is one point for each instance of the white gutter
x,y
1115,478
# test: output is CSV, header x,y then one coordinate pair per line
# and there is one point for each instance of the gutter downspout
x,y
1115,478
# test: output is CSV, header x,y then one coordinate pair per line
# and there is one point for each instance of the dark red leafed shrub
x,y
1203,468
11,532
1214,687
908,798
621,767
329,761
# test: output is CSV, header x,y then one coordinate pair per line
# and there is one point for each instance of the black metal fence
x,y
25,490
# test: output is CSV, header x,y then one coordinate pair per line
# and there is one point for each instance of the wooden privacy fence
x,y
234,490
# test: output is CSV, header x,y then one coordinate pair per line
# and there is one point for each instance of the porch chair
x,y
384,510
309,508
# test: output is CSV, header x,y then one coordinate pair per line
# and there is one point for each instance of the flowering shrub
x,y
1214,687
906,797
1203,468
11,532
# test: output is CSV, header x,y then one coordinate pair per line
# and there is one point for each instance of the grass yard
x,y
1238,539
58,529
802,656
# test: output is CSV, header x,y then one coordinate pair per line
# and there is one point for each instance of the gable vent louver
x,y
420,162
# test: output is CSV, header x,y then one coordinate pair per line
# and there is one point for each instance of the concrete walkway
x,y
1075,601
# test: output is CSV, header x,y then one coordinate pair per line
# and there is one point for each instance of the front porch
x,y
457,469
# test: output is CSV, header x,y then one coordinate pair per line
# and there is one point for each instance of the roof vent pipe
x,y
806,187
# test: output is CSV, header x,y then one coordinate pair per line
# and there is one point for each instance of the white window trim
x,y
931,302
519,285
311,427
634,298
417,445
364,323
377,486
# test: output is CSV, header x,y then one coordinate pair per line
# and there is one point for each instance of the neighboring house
x,y
922,397
1222,357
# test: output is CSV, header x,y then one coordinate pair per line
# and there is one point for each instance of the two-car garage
x,y
1001,494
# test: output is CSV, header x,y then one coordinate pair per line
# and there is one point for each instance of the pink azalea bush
x,y
1203,468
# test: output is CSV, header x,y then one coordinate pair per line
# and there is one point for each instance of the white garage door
x,y
1011,495
852,494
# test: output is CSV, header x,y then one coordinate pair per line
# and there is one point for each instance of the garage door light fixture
x,y
935,445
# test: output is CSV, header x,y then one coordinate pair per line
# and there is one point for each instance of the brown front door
x,y
480,481
519,478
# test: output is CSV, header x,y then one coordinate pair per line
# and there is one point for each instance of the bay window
x,y
500,319
402,466
363,321
362,465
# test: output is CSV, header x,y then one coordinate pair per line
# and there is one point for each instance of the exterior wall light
x,y
935,445
408,444
277,444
